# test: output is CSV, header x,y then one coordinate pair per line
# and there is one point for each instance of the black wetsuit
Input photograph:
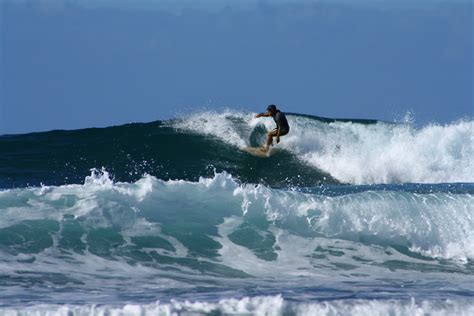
x,y
280,120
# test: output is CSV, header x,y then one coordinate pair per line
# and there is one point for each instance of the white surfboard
x,y
258,151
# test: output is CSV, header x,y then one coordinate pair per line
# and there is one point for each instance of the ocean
x,y
346,217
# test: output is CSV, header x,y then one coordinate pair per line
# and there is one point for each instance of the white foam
x,y
259,306
358,153
385,153
228,125
437,225
387,307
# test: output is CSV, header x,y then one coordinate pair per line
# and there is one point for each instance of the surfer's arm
x,y
278,134
267,114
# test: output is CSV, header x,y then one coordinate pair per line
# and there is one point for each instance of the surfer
x,y
281,129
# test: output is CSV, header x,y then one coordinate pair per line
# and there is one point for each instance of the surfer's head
x,y
272,108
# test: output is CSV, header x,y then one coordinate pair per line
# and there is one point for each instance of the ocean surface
x,y
346,217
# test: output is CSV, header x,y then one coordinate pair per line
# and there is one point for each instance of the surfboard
x,y
257,151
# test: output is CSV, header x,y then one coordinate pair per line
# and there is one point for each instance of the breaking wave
x,y
317,151
358,151
202,219
259,306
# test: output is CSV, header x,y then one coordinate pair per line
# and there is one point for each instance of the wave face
x,y
317,151
169,237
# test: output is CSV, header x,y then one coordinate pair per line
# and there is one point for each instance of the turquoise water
x,y
345,217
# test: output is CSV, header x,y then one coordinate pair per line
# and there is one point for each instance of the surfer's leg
x,y
270,136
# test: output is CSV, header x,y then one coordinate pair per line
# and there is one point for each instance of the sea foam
x,y
358,153
258,306
438,224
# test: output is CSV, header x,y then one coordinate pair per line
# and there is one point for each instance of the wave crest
x,y
437,224
357,152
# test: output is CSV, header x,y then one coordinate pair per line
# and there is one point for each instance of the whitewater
x,y
347,217
355,153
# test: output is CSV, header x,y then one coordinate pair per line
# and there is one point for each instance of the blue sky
x,y
75,64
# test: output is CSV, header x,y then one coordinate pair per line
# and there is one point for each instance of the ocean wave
x,y
259,306
316,151
357,151
185,219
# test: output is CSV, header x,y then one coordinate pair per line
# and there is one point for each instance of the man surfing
x,y
281,129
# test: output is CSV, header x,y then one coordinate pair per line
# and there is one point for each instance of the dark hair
x,y
272,107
